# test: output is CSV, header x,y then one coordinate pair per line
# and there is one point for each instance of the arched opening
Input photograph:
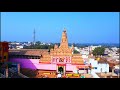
x,y
60,69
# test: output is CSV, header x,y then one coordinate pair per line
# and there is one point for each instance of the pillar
x,y
6,72
101,71
118,73
112,71
105,74
18,67
57,68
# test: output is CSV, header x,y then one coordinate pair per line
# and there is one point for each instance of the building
x,y
28,58
19,47
99,66
59,59
4,51
25,53
62,59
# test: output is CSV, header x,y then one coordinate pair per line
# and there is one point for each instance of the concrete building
x,y
19,47
99,66
4,51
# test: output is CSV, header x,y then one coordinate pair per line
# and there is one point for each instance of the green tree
x,y
37,46
98,51
38,42
75,51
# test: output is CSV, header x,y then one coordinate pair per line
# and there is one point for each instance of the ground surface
x,y
50,74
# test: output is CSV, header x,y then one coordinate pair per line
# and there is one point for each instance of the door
x,y
61,69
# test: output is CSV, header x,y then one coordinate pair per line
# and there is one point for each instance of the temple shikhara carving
x,y
61,57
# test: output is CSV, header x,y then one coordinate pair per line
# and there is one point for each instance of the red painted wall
x,y
4,51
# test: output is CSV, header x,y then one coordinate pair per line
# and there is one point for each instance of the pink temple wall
x,y
34,64
70,67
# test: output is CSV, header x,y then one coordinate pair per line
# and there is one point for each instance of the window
x,y
38,57
32,57
95,68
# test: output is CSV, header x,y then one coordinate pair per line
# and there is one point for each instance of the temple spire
x,y
64,29
64,40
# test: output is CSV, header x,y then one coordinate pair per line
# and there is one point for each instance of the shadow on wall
x,y
26,63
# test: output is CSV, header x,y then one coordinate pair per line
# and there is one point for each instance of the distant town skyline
x,y
82,27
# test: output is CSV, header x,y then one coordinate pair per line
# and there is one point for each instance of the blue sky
x,y
82,27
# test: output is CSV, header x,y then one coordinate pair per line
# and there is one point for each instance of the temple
x,y
62,58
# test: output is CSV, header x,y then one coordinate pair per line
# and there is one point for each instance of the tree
x,y
50,47
98,51
75,51
38,46
38,42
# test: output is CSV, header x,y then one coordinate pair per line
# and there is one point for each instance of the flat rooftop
x,y
33,52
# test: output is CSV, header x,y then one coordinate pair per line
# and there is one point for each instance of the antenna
x,y
34,37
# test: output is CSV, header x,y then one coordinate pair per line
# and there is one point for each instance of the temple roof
x,y
33,52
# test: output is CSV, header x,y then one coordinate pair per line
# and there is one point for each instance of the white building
x,y
107,51
19,47
99,67
76,48
84,52
114,48
84,56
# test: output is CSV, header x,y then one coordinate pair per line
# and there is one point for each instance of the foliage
x,y
37,46
38,43
98,51
76,52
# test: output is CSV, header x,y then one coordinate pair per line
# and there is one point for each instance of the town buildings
x,y
62,59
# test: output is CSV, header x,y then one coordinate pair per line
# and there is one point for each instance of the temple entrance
x,y
61,70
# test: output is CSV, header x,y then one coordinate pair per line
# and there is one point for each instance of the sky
x,y
81,27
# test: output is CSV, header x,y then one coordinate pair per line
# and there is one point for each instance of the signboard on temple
x,y
61,60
